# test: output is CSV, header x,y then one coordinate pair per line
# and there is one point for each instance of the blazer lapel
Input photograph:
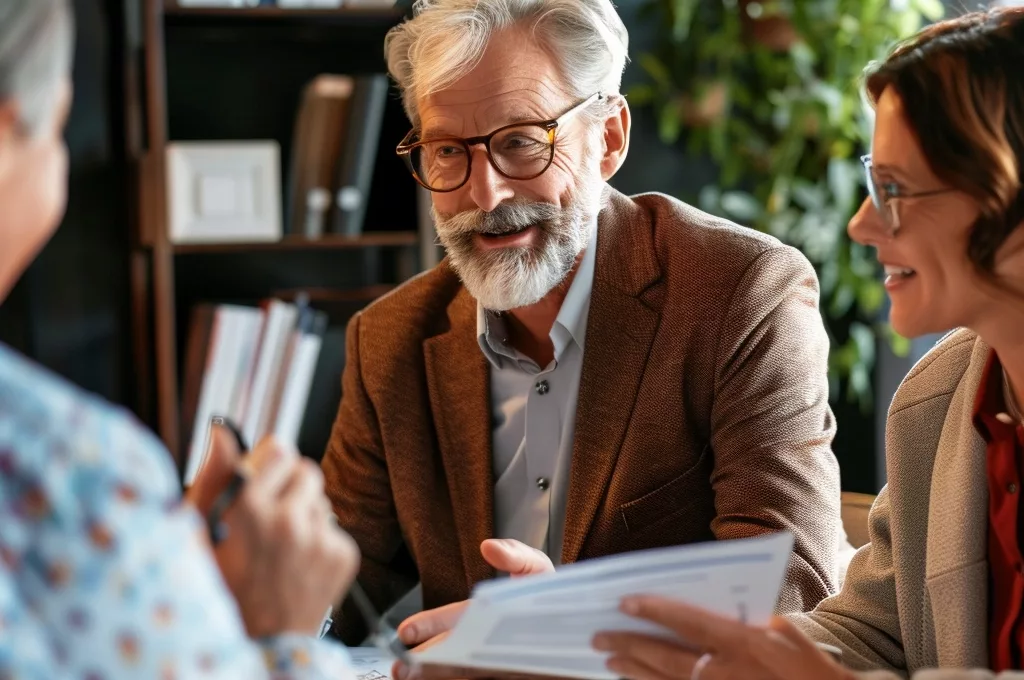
x,y
957,548
457,380
620,330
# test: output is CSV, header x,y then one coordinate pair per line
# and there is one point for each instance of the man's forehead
x,y
469,110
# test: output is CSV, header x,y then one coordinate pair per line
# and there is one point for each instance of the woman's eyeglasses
x,y
887,196
518,151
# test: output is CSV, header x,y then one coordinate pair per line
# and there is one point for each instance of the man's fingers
x,y
270,466
515,558
305,487
423,626
697,627
222,456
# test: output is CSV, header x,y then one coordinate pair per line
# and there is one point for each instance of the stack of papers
x,y
545,624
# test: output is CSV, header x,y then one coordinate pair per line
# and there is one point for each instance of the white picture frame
x,y
224,192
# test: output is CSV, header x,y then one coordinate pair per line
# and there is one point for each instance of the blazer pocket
x,y
671,498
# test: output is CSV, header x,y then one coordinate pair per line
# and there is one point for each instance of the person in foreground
x,y
104,572
940,586
585,372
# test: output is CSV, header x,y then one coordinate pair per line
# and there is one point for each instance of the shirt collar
x,y
570,324
990,409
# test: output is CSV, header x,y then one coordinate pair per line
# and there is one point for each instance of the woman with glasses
x,y
104,572
941,584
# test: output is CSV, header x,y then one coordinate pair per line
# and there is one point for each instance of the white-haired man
x,y
585,373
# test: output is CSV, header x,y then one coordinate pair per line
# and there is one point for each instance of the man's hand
x,y
721,648
221,461
284,558
430,627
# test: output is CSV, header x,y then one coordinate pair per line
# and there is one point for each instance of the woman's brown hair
x,y
961,82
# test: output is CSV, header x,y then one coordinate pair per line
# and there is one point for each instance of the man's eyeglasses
x,y
886,196
519,151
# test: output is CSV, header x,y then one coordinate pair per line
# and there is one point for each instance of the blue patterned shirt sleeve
x,y
104,573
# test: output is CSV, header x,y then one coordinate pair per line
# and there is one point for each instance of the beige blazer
x,y
916,596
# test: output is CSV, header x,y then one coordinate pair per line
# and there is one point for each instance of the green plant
x,y
771,92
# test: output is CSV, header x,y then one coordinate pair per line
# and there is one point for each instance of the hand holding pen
x,y
275,540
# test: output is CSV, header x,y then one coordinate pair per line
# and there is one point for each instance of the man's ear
x,y
9,130
615,138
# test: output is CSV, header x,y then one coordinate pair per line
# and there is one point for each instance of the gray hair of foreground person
x,y
36,49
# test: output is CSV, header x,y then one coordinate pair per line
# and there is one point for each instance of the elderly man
x,y
585,372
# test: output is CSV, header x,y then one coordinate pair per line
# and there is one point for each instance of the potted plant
x,y
770,90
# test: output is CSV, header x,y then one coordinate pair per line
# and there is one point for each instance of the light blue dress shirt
x,y
104,573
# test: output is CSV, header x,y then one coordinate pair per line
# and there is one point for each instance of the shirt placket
x,y
543,434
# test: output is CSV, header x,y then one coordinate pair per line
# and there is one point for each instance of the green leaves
x,y
786,130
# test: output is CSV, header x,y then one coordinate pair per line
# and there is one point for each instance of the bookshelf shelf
x,y
383,239
217,74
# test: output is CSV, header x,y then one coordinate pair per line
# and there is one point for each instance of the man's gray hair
x,y
446,39
36,49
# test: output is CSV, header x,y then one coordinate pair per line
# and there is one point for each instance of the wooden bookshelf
x,y
213,74
176,15
382,239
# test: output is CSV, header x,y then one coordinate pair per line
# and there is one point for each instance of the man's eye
x,y
448,151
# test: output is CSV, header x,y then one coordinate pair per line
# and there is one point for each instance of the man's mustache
x,y
504,219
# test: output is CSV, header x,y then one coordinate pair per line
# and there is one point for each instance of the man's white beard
x,y
509,278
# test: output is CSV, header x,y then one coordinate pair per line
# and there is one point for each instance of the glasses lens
x,y
522,152
876,196
441,165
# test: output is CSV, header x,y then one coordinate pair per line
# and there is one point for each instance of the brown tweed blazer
x,y
702,412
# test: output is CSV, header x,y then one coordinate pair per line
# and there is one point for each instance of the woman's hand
x,y
722,648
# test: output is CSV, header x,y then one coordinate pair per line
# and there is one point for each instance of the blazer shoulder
x,y
938,372
413,308
707,256
679,226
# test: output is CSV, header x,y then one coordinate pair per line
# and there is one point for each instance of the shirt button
x,y
1011,487
1004,418
542,387
543,483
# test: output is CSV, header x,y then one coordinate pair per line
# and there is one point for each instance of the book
x,y
358,156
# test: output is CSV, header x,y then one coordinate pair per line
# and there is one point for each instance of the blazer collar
x,y
458,384
621,327
957,547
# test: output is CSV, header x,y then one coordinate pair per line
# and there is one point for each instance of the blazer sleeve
x,y
771,424
357,482
863,619
943,674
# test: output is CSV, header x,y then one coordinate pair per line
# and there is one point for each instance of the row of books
x,y
254,365
334,151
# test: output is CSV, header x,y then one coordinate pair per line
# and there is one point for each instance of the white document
x,y
545,624
370,663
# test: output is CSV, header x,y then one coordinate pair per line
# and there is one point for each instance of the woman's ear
x,y
615,138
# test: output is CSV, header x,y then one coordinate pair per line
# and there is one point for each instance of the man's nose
x,y
487,187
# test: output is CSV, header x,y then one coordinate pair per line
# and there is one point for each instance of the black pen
x,y
215,517
383,636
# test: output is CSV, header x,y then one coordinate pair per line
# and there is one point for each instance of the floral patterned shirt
x,y
104,573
